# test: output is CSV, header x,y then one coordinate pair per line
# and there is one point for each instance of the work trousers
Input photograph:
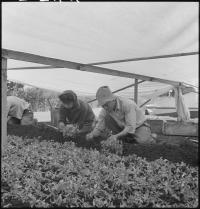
x,y
142,134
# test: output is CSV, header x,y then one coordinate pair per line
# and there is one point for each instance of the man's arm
x,y
62,115
100,126
87,119
62,118
124,132
87,127
130,121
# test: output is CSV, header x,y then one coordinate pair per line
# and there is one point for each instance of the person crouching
x,y
19,112
122,117
76,112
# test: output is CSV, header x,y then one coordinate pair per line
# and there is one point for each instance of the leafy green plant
x,y
50,174
111,145
70,131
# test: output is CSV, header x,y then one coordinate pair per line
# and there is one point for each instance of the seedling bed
x,y
172,148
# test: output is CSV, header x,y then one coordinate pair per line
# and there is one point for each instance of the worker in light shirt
x,y
18,111
121,116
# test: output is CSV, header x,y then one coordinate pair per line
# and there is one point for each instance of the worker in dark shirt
x,y
75,111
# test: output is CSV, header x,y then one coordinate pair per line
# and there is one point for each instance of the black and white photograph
x,y
99,104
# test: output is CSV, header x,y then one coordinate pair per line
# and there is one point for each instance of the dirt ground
x,y
172,148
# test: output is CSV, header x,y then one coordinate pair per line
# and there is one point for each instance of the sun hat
x,y
104,95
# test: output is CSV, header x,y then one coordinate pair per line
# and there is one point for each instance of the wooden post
x,y
4,104
136,91
51,111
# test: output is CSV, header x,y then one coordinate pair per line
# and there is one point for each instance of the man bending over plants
x,y
75,115
18,112
122,117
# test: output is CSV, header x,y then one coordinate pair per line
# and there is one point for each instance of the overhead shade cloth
x,y
97,32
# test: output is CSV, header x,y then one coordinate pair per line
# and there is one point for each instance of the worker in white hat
x,y
122,117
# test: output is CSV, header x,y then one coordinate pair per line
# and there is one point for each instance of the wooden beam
x,y
136,91
123,60
32,68
116,61
145,58
145,103
10,54
16,55
3,104
126,87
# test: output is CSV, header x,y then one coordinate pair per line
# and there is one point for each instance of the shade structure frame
x,y
22,56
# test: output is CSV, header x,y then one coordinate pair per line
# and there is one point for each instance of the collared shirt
x,y
16,107
126,114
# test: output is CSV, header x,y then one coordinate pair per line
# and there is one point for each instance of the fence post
x,y
4,104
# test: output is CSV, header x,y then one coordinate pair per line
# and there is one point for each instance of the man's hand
x,y
69,130
89,136
61,127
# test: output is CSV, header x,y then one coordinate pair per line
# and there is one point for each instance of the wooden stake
x,y
4,104
136,91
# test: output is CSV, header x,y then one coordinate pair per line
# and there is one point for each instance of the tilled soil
x,y
30,131
172,148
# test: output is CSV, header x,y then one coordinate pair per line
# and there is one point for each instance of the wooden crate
x,y
180,128
156,125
